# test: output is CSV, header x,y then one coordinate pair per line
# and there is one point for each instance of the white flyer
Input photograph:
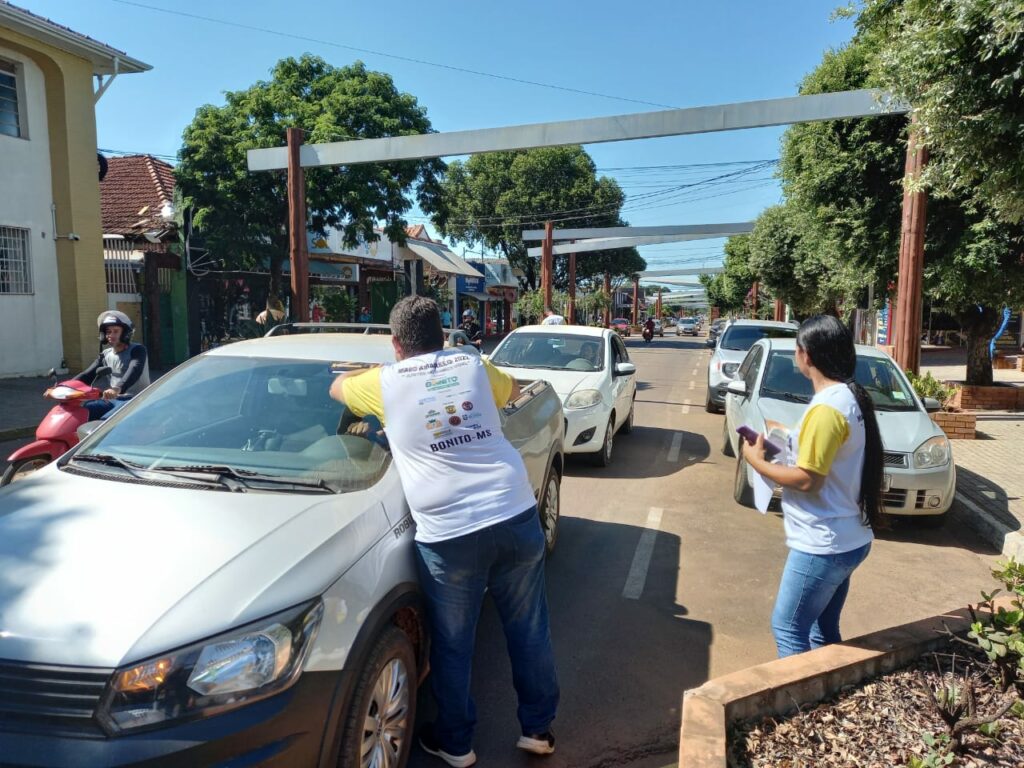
x,y
765,489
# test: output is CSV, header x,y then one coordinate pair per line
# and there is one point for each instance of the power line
x,y
371,52
127,152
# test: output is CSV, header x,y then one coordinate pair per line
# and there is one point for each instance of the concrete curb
x,y
988,526
783,685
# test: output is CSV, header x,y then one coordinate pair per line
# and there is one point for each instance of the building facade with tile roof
x,y
52,281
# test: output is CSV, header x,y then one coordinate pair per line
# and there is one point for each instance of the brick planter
x,y
780,687
957,426
970,397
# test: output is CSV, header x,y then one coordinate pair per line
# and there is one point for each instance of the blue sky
x,y
671,52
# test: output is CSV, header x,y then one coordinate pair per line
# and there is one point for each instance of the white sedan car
x,y
920,476
590,371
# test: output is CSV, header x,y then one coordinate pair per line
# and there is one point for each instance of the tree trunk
x,y
980,327
275,277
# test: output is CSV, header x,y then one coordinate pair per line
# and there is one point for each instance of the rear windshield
x,y
888,391
740,338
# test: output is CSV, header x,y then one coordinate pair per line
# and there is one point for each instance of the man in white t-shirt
x,y
477,526
550,318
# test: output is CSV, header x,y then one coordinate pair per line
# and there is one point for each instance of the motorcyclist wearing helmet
x,y
127,361
471,329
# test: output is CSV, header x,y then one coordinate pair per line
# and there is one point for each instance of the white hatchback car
x,y
590,371
920,476
731,347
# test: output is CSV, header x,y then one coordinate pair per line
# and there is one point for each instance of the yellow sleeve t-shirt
x,y
823,432
362,393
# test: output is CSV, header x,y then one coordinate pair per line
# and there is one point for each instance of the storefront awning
x,y
442,259
480,296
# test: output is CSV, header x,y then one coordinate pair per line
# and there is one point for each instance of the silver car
x,y
222,575
920,476
731,347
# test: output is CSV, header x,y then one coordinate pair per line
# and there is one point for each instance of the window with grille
x,y
15,267
10,124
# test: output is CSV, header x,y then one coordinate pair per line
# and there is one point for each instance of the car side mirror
x,y
87,429
710,343
625,369
737,388
931,405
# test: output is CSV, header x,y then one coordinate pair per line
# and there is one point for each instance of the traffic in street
x,y
660,581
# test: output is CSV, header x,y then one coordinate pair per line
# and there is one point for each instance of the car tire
x,y
742,491
550,508
726,441
385,696
627,425
604,456
709,406
23,467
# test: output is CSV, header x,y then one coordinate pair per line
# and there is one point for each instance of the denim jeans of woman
x,y
811,597
506,559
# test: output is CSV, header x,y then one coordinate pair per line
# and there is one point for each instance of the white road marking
x,y
686,406
637,577
677,443
693,385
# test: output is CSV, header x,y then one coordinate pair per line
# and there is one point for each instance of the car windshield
x,y
620,321
783,381
555,351
244,418
740,338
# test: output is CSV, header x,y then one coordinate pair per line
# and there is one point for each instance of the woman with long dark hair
x,y
831,495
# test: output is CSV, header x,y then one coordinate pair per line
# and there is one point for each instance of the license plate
x,y
886,483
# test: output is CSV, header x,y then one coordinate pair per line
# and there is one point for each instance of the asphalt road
x,y
630,639
660,581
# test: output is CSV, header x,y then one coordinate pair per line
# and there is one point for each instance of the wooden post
x,y
658,310
906,323
545,263
571,311
297,252
608,293
151,305
636,301
753,294
780,310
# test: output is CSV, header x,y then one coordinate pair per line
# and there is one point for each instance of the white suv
x,y
730,349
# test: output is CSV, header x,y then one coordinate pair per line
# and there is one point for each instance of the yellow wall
x,y
76,191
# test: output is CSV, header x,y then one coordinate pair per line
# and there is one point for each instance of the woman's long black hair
x,y
829,345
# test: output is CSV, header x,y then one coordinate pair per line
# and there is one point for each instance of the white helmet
x,y
114,317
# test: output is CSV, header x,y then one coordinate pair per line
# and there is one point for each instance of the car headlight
x,y
583,398
729,369
932,453
224,672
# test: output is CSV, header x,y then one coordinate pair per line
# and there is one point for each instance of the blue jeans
x,y
811,597
102,409
507,559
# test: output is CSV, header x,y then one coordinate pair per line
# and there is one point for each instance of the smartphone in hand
x,y
770,449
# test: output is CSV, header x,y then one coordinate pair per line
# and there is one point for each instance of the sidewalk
x,y
990,481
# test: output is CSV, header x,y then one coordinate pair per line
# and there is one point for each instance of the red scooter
x,y
57,432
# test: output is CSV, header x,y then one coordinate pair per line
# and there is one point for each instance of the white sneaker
x,y
538,743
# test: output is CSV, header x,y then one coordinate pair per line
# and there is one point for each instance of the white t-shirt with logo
x,y
459,472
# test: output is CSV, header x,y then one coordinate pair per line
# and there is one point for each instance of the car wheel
x,y
604,456
627,426
549,509
379,725
709,406
726,442
742,492
22,468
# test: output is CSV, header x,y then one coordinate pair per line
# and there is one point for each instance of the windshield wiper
x,y
109,460
249,479
790,396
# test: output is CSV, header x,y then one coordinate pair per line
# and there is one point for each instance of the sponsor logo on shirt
x,y
442,433
450,408
427,400
455,421
467,406
432,414
445,382
435,424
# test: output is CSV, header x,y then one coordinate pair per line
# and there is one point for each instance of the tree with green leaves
x,y
243,216
959,64
492,198
729,288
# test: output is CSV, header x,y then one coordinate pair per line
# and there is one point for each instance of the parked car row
x,y
752,375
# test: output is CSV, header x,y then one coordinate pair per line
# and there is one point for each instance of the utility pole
x,y
906,323
545,263
571,311
608,293
297,252
636,300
